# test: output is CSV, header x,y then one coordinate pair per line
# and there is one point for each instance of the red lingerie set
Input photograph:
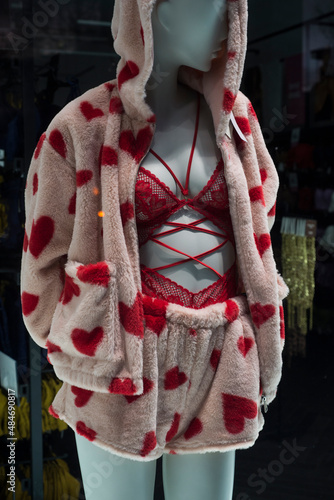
x,y
155,203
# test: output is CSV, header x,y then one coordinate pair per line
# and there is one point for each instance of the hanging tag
x,y
229,130
237,128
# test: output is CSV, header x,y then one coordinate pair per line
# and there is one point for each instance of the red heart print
x,y
89,112
132,318
272,211
25,242
252,111
127,212
109,156
109,86
95,274
235,410
72,204
231,311
256,194
264,175
85,431
83,176
148,386
87,342
52,347
260,314
228,101
262,243
52,412
41,234
29,303
195,427
39,145
214,359
116,106
243,124
150,442
82,396
174,378
174,427
244,344
136,147
70,289
57,142
129,71
35,184
123,386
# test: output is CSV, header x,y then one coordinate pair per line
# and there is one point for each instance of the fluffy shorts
x,y
201,387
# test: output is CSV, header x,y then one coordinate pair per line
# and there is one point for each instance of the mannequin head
x,y
189,32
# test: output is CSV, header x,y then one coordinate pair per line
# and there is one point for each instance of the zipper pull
x,y
263,402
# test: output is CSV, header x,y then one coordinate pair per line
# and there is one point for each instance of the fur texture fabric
x,y
80,280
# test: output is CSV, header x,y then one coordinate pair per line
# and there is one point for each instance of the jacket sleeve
x,y
270,185
50,206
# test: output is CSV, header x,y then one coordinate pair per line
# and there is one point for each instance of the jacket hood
x,y
133,42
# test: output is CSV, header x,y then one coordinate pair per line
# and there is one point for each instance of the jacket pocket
x,y
87,344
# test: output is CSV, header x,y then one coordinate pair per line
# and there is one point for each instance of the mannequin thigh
x,y
199,475
107,476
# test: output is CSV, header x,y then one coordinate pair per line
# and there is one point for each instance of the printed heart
x,y
52,347
35,184
264,175
262,243
83,176
109,156
72,204
228,101
214,359
109,86
243,124
150,443
136,147
174,378
148,386
96,274
272,211
282,323
29,303
260,314
116,106
89,111
82,396
41,234
256,194
25,242
132,318
87,342
194,428
129,71
244,344
252,111
53,412
155,324
174,427
39,146
57,142
231,311
235,410
127,212
123,386
85,431
70,289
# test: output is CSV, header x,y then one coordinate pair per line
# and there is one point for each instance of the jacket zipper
x,y
263,403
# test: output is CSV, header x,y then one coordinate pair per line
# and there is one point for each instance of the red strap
x,y
203,254
184,190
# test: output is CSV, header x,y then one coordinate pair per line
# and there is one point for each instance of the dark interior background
x,y
46,61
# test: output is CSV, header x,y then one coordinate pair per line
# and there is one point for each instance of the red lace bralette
x,y
155,203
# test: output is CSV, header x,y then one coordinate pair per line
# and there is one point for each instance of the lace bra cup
x,y
155,203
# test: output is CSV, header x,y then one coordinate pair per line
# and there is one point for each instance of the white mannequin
x,y
186,32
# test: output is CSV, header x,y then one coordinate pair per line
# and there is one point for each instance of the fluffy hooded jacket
x,y
80,281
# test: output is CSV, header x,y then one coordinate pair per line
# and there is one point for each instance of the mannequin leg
x,y
107,476
200,475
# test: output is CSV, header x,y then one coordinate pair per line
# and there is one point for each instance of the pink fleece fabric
x,y
80,280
